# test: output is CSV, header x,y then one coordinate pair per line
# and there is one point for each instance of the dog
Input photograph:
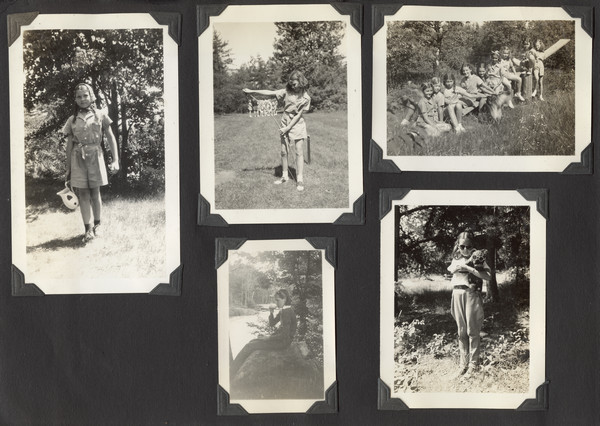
x,y
477,260
495,103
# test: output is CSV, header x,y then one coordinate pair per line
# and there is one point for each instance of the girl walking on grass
x,y
86,170
296,102
466,305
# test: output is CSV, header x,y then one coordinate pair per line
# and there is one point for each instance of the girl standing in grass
x,y
86,170
296,102
466,305
538,69
428,113
453,102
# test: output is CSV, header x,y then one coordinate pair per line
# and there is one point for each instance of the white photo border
x,y
547,163
171,140
329,337
279,13
537,331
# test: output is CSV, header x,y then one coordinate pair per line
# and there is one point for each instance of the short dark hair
x,y
284,294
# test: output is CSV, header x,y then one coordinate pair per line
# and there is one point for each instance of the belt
x,y
463,287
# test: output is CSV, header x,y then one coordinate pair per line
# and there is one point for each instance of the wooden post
x,y
526,89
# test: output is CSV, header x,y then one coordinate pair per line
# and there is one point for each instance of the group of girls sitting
x,y
443,103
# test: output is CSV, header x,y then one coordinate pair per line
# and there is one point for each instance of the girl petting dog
x,y
86,170
466,305
293,127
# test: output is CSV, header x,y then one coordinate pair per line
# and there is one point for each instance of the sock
x,y
88,226
96,222
300,178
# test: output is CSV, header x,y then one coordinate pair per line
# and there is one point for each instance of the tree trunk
x,y
396,235
492,294
124,141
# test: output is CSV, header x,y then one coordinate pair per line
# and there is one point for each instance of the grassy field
x,y
531,128
426,347
132,244
248,161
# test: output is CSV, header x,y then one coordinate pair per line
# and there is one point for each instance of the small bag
x,y
68,197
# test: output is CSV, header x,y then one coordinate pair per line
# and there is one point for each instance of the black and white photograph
x,y
276,326
94,153
482,90
462,299
281,134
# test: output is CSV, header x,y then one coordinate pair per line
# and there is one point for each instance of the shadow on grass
x,y
57,243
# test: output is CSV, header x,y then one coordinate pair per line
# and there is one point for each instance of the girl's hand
x,y
284,130
114,166
246,90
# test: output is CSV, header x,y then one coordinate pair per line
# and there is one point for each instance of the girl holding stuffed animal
x,y
293,127
86,170
466,305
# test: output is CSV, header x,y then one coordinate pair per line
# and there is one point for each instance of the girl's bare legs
x,y
96,202
299,164
541,87
284,163
85,205
453,118
536,79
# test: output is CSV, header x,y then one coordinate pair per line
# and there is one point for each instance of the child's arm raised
x,y
261,92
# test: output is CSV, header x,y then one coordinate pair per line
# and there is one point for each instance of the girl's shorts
x,y
88,169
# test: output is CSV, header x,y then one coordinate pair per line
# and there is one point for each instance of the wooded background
x,y
125,69
419,50
254,279
310,47
426,236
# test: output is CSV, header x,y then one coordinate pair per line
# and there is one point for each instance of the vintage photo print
x,y
463,299
482,89
276,326
280,114
94,153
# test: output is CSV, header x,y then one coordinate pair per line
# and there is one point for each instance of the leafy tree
x,y
419,50
300,272
313,48
426,236
125,70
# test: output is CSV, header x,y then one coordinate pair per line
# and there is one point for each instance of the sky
x,y
247,39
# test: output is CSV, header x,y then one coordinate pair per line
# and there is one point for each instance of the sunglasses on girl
x,y
462,247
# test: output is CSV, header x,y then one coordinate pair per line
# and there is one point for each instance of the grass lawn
x,y
132,244
248,161
531,128
426,347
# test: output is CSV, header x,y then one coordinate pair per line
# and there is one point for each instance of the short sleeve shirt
x,y
88,127
427,108
293,104
471,84
438,99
